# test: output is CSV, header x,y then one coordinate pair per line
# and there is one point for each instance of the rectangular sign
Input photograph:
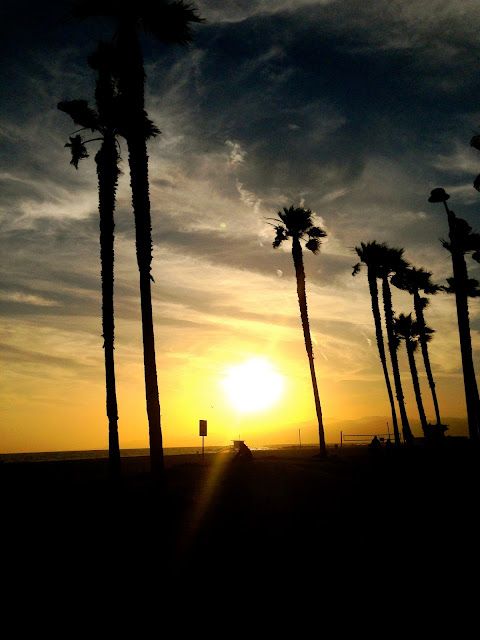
x,y
203,427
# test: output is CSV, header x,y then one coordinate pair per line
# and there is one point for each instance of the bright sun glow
x,y
253,385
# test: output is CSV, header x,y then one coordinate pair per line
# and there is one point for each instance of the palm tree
x,y
463,241
371,254
104,122
408,330
415,280
297,223
392,262
169,22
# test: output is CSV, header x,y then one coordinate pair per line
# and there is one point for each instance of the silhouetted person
x,y
375,444
243,452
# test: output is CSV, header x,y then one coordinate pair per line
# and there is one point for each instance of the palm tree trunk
x,y
107,170
416,387
460,275
417,304
372,284
131,87
387,306
138,162
302,301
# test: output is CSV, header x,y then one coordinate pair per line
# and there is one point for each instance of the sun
x,y
253,385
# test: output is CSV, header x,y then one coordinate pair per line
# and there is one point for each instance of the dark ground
x,y
398,530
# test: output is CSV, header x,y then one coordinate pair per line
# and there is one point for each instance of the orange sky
x,y
57,402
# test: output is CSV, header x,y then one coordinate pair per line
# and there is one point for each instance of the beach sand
x,y
279,519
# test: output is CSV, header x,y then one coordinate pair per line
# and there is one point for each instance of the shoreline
x,y
100,454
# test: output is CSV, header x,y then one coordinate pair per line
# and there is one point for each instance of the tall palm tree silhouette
x,y
391,263
104,121
169,22
415,280
297,223
408,331
461,242
371,254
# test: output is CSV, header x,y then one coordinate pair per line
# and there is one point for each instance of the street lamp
x,y
460,276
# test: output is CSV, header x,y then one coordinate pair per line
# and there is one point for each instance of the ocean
x,y
45,456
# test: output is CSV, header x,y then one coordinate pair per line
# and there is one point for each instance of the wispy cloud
x,y
237,154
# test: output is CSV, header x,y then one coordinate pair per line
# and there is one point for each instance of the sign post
x,y
203,433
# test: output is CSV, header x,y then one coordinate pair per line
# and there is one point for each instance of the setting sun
x,y
253,385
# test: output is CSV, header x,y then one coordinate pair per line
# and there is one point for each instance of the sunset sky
x,y
355,109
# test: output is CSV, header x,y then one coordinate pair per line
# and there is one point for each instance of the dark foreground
x,y
393,531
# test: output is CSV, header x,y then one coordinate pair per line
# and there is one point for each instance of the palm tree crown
x,y
466,240
297,222
412,280
169,22
371,254
409,330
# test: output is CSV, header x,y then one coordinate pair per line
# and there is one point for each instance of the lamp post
x,y
440,195
460,276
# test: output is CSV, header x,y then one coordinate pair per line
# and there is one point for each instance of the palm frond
x,y
446,244
84,9
150,129
475,142
81,113
424,302
450,286
466,240
472,287
371,253
413,280
395,341
316,232
356,269
281,235
77,149
428,333
313,245
170,23
405,328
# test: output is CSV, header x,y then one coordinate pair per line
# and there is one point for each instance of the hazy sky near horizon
x,y
356,109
